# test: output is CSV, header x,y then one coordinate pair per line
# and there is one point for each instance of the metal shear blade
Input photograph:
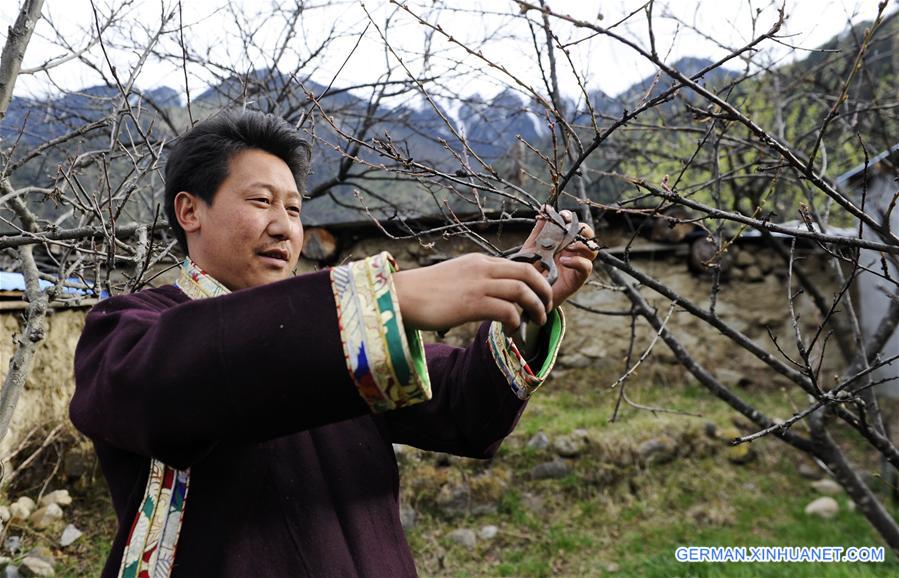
x,y
553,238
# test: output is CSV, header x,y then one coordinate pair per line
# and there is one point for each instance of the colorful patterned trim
x,y
150,549
386,361
197,283
512,364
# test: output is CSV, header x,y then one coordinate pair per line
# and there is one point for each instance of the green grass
x,y
585,529
607,513
770,515
635,520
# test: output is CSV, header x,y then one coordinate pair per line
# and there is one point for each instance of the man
x,y
244,417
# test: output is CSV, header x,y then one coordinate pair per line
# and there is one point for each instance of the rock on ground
x,y
569,446
71,533
43,552
46,516
827,487
550,470
32,566
574,361
488,532
13,544
407,517
825,507
540,441
463,537
741,454
658,450
26,502
22,508
60,497
454,499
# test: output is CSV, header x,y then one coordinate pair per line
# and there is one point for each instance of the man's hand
x,y
575,263
475,288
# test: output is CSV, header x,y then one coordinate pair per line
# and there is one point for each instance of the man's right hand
x,y
472,287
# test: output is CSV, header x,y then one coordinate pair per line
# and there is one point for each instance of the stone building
x,y
875,186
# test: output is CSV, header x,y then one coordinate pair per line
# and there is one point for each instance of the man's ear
x,y
187,208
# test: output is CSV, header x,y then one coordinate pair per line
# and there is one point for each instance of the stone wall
x,y
753,300
45,398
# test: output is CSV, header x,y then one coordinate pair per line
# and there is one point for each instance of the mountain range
x,y
492,126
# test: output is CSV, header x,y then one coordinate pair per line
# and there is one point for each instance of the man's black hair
x,y
198,163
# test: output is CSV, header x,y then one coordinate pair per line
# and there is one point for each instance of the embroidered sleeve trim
x,y
521,377
385,360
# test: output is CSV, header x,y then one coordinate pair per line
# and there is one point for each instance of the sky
x,y
699,28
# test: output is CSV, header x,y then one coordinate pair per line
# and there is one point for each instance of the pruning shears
x,y
553,238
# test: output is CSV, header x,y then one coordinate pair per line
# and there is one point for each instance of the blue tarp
x,y
16,282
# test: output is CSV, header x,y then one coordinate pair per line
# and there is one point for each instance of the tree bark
x,y
846,474
14,51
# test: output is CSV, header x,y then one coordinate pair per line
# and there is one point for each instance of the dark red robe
x,y
291,475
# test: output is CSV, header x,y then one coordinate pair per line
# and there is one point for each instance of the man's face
x,y
251,233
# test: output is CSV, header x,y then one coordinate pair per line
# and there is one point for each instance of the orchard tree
x,y
749,143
